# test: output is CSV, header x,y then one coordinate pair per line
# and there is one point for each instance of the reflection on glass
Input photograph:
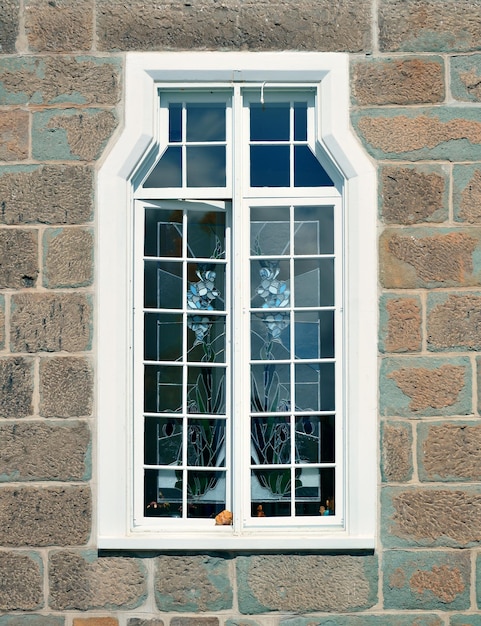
x,y
308,172
314,230
314,282
175,122
163,493
206,234
162,337
206,166
270,166
270,231
206,390
163,441
271,440
314,335
162,285
162,389
168,170
206,121
206,493
269,121
163,233
315,492
206,443
315,386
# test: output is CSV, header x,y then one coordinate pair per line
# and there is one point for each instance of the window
x,y
237,299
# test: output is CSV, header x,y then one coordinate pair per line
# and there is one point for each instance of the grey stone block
x,y
21,576
66,387
19,258
16,387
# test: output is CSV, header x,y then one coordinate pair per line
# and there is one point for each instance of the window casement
x,y
237,309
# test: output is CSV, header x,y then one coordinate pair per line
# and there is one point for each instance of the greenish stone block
x,y
437,133
31,620
453,321
467,193
466,78
425,386
242,622
465,620
21,80
193,584
405,344
426,580
417,619
2,322
396,451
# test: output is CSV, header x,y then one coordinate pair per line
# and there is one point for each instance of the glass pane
x,y
308,172
270,285
314,230
270,232
315,492
308,439
162,285
162,389
163,493
206,287
314,335
163,233
206,338
206,166
263,328
206,443
315,387
175,122
162,337
206,121
270,166
163,441
168,170
206,390
269,121
300,121
206,234
271,492
205,493
270,440
314,282
270,388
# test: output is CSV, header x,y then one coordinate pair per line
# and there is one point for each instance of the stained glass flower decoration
x,y
275,294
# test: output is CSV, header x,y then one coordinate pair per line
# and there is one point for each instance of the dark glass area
x,y
163,441
270,440
162,285
206,493
314,335
308,172
163,493
175,122
300,121
315,439
206,443
163,233
270,166
313,230
315,387
269,121
270,231
162,389
162,337
168,170
315,493
206,234
314,282
206,390
206,121
206,166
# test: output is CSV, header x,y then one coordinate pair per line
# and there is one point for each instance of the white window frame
x,y
144,72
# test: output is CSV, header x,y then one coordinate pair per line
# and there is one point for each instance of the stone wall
x,y
416,94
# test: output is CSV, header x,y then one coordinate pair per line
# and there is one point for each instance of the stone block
x,y
465,620
409,80
241,621
9,21
449,451
478,379
60,80
138,621
426,580
400,323
68,257
46,194
467,193
414,194
396,452
14,135
414,258
430,517
95,621
454,321
71,133
16,387
194,621
2,322
45,516
21,574
84,581
306,584
39,451
51,322
192,584
466,77
429,25
66,387
252,24
31,620
419,134
19,258
59,26
425,387
367,619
